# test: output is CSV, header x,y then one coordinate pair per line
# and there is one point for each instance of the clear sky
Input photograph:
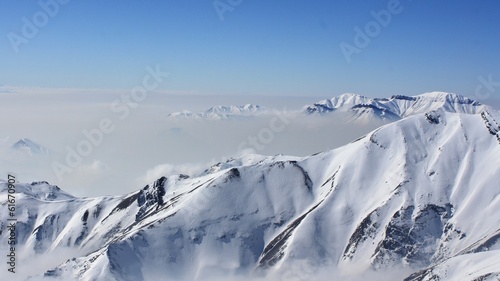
x,y
281,47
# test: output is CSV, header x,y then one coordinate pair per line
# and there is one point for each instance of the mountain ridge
x,y
352,108
403,196
221,112
396,107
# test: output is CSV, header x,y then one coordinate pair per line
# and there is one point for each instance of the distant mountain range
x,y
221,112
353,108
29,147
418,196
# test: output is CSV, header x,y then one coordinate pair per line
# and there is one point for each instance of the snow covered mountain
x,y
221,112
29,147
355,108
415,199
360,108
345,101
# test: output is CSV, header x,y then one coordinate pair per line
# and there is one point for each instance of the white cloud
x,y
146,138
172,169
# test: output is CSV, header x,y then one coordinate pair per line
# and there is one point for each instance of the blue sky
x,y
259,47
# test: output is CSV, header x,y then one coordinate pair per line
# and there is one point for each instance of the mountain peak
x,y
397,107
41,190
438,94
350,95
30,147
221,112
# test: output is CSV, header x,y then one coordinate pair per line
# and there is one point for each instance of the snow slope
x,y
415,199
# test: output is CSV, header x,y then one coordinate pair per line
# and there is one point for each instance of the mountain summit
x,y
29,147
221,112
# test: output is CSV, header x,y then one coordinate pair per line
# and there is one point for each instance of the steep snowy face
x,y
409,197
396,107
418,197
